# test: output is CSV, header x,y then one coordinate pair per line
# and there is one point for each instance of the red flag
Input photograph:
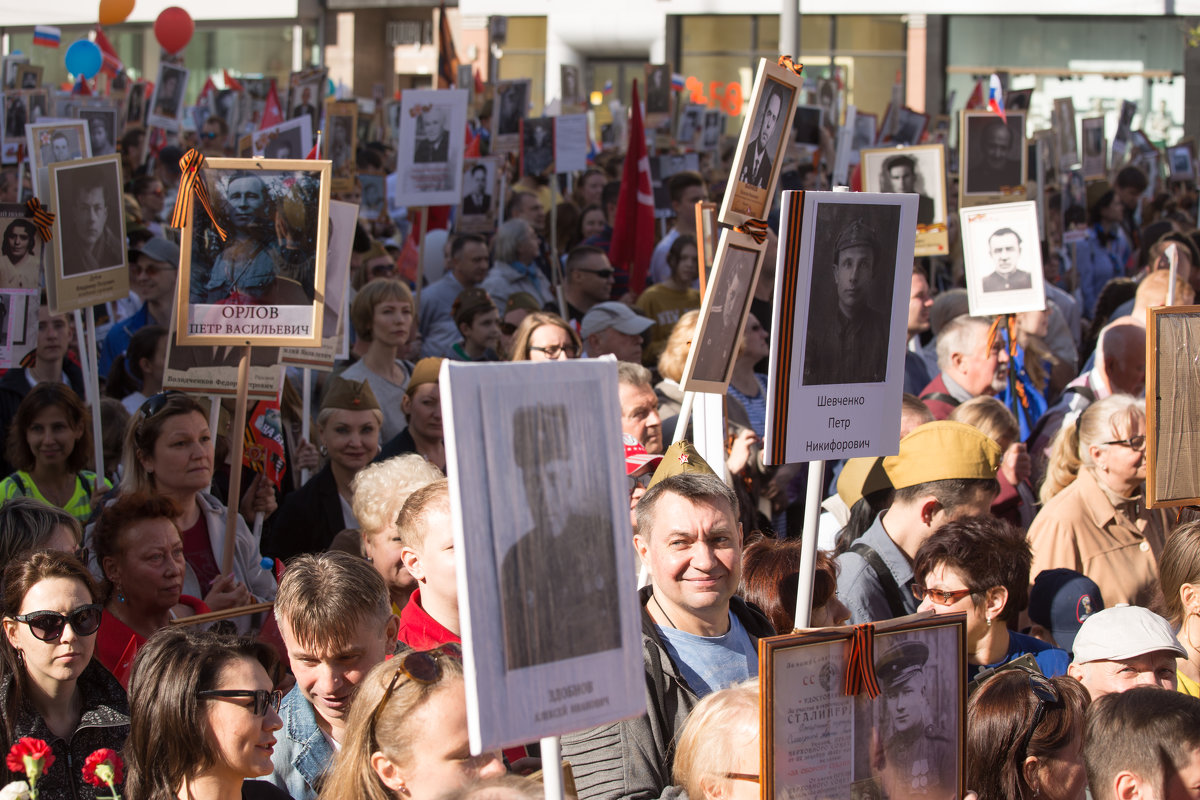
x,y
208,86
633,225
81,87
263,450
447,55
272,113
977,97
111,65
478,83
231,82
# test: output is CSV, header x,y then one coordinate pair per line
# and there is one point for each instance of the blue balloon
x,y
84,58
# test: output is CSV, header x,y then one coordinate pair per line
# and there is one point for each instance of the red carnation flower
x,y
30,754
104,767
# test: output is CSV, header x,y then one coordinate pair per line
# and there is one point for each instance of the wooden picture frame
x,y
1095,148
1172,433
278,297
818,742
340,142
762,145
709,236
28,77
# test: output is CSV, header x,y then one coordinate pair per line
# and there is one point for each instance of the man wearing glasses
x,y
152,271
588,280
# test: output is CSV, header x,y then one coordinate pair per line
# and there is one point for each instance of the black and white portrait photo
x,y
22,252
135,104
432,142
806,127
16,115
430,149
827,99
59,141
509,107
1095,148
289,139
91,217
1003,259
995,151
714,129
864,131
910,125
691,125
1179,159
340,142
854,261
306,93
913,170
102,124
166,105
477,195
571,85
763,148
735,272
29,76
1017,99
1064,127
373,201
480,198
284,144
658,89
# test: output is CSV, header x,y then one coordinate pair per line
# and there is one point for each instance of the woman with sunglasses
x,y
407,732
205,714
1025,737
53,689
1094,519
980,566
49,444
543,336
169,452
718,753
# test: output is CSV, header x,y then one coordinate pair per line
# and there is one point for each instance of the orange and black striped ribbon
x,y
42,217
787,63
191,184
860,662
756,229
1009,321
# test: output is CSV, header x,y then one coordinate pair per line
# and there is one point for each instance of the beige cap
x,y
940,451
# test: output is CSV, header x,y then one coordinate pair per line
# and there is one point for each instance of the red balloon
x,y
173,29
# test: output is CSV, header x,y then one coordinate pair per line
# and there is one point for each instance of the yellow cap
x,y
861,477
680,457
940,451
425,371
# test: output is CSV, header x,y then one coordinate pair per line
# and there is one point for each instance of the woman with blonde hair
x,y
379,491
543,336
1179,577
1095,520
718,754
407,732
1016,500
671,363
383,316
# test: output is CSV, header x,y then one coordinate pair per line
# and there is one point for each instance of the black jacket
x,y
13,388
308,519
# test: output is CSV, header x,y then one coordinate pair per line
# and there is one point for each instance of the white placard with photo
x,y
837,335
551,641
1003,259
430,152
287,140
570,143
166,106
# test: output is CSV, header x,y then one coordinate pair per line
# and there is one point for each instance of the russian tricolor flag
x,y
677,82
608,87
996,97
47,35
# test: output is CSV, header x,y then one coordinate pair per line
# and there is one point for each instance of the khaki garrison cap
x,y
940,451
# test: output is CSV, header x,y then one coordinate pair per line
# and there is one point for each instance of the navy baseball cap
x,y
1060,600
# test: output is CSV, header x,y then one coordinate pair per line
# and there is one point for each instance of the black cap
x,y
900,663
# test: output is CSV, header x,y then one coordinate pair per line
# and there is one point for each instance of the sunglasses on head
x,y
263,698
1046,694
153,405
48,625
423,667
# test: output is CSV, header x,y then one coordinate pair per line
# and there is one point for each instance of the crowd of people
x,y
346,678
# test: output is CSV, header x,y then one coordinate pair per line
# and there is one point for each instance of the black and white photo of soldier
x,y
305,99
827,99
658,89
284,144
1004,248
764,143
562,572
476,198
994,149
849,315
714,128
864,131
135,104
16,114
901,175
432,142
101,124
64,146
538,147
723,324
513,102
90,196
569,79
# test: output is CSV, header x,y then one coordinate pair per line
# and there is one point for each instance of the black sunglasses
x,y
48,625
263,698
1045,693
156,403
422,667
604,274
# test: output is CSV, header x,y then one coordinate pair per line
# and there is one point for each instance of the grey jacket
x,y
633,758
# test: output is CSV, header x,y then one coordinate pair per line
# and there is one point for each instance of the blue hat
x,y
1060,600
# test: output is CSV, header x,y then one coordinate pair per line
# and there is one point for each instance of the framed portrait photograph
x,y
9,65
18,323
1181,161
135,104
865,127
1003,259
918,170
306,91
909,741
23,254
373,196
265,280
727,296
691,126
1172,429
341,142
537,147
509,107
837,348
430,153
20,109
28,77
993,157
102,128
50,142
658,93
89,233
1074,205
714,129
829,99
1121,139
290,139
480,206
1017,99
709,237
906,126
1063,122
571,85
166,104
761,147
806,126
541,549
1095,148
342,221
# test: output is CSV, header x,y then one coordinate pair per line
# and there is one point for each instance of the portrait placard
x,y
305,90
20,109
55,141
430,152
1074,205
1095,148
481,196
909,741
658,94
903,126
993,158
1064,126
89,234
24,257
1003,259
373,196
102,128
207,370
342,220
537,147
1120,141
571,84
762,144
265,281
166,104
838,328
135,104
865,128
28,77
691,126
510,106
714,129
290,139
18,323
806,126
1018,99
1181,160
723,313
550,643
341,142
570,143
1172,407
918,170
829,99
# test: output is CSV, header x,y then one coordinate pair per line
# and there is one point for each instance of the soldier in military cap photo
x,y
849,313
913,755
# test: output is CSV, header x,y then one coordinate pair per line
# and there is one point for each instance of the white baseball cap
x,y
1122,632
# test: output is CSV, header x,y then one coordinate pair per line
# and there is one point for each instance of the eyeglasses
x,y
1045,693
156,403
208,135
423,667
263,698
939,597
48,625
1133,442
604,274
553,350
741,776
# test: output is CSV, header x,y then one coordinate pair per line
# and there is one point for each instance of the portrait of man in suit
x,y
756,166
477,200
900,176
433,146
1004,247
